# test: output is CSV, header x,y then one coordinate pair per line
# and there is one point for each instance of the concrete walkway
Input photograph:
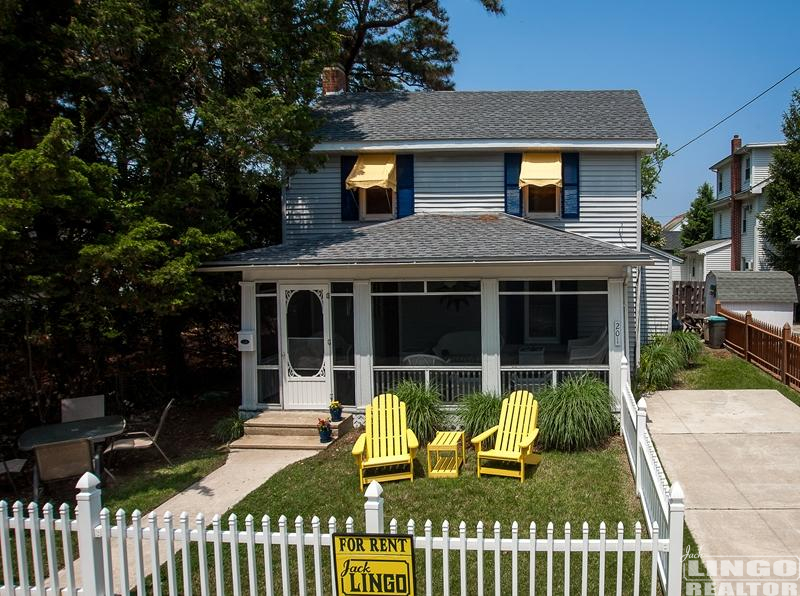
x,y
737,456
242,472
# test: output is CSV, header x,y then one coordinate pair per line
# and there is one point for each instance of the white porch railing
x,y
534,378
452,382
662,504
186,556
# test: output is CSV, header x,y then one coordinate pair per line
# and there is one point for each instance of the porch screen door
x,y
306,347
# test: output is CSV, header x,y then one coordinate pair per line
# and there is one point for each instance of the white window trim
x,y
540,214
362,208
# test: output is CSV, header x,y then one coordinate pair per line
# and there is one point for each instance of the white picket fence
x,y
662,503
186,555
230,559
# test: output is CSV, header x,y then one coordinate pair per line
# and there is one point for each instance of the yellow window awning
x,y
373,169
540,169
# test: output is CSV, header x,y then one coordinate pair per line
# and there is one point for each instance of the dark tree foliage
x,y
699,223
397,44
781,219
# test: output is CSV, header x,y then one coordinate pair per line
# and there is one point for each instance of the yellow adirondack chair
x,y
515,437
388,446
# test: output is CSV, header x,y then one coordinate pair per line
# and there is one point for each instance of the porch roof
x,y
439,238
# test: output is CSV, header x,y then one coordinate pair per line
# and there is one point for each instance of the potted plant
x,y
325,431
336,411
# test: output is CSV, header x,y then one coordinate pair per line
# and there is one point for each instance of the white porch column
x,y
362,339
616,337
490,336
249,359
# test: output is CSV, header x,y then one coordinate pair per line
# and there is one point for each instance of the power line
x,y
732,114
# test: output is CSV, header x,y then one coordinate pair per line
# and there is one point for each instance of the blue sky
x,y
693,63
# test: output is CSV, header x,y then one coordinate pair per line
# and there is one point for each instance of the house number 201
x,y
617,333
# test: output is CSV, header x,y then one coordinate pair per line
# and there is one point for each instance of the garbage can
x,y
716,330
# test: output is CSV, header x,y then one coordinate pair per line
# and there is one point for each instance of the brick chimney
x,y
334,80
736,206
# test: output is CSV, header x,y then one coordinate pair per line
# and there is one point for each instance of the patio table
x,y
96,430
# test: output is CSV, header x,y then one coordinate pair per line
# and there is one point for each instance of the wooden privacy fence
x,y
688,297
775,350
183,555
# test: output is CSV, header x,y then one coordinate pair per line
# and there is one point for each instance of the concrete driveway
x,y
737,455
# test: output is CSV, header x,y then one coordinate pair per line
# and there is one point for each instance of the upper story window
x,y
541,181
374,179
376,203
719,181
747,169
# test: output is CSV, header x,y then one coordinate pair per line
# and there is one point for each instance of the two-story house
x,y
470,240
742,184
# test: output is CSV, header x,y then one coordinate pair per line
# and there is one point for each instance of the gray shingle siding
x,y
464,115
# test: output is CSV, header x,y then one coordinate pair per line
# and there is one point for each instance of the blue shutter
x,y
405,185
512,190
570,192
349,197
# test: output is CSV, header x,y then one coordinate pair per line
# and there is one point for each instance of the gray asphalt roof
x,y
755,286
453,115
672,240
438,238
706,244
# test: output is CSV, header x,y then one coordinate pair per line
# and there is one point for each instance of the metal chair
x,y
10,467
81,408
139,440
59,461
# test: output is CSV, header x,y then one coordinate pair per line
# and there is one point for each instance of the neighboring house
x,y
656,304
701,258
770,296
470,240
742,185
672,234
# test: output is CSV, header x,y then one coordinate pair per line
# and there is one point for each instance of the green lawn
x,y
592,486
719,369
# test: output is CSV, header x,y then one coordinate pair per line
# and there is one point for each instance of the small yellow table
x,y
448,457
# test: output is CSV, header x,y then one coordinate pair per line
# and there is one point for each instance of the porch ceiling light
x,y
540,169
373,169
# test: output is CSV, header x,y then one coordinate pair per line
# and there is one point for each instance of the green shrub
x,y
479,411
229,429
576,414
424,412
688,344
659,362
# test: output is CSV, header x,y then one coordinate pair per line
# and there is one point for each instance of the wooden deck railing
x,y
775,350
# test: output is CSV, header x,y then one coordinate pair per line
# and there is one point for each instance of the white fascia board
x,y
715,247
483,144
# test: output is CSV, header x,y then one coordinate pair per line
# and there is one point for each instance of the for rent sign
x,y
374,564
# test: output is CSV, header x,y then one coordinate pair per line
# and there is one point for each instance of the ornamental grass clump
x,y
688,344
479,411
424,412
659,362
229,429
575,415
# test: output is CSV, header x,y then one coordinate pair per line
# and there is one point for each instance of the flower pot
x,y
336,414
325,436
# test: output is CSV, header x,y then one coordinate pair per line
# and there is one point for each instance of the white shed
x,y
769,295
700,259
656,303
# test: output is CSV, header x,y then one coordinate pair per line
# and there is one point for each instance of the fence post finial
x,y
87,509
373,508
676,513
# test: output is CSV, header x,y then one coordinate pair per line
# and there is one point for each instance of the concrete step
x,y
279,442
289,424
